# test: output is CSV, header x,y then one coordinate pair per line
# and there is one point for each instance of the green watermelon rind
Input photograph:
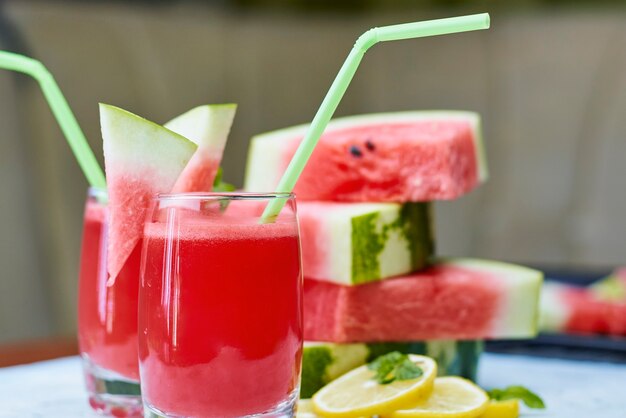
x,y
181,123
355,243
322,362
554,312
611,288
272,153
384,237
110,110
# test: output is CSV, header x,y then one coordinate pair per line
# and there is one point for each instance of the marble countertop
x,y
571,389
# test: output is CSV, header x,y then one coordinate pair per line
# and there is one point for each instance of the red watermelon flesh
x,y
580,310
199,173
411,156
448,301
142,159
588,314
208,127
129,199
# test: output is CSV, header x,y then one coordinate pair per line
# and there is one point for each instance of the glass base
x,y
111,394
285,409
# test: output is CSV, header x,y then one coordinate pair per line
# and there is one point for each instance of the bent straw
x,y
341,82
62,112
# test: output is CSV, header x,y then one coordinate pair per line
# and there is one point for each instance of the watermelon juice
x,y
220,308
107,319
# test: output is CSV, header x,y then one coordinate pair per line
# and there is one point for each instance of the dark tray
x,y
568,346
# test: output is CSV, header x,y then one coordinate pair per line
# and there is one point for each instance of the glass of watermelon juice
x,y
107,318
220,307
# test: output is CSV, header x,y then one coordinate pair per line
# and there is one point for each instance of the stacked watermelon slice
x,y
596,309
372,283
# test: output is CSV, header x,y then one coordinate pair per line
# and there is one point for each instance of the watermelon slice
x,y
580,310
612,287
352,243
455,299
388,157
323,362
208,126
142,159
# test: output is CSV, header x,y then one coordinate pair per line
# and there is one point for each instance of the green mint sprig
x,y
394,366
531,399
219,185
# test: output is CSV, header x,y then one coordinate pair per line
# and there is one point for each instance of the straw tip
x,y
487,20
267,218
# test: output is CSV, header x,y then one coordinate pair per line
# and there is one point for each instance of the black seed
x,y
370,145
356,151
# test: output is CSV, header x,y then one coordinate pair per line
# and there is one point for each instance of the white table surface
x,y
54,389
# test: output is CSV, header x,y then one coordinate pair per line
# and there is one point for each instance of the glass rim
x,y
99,193
224,196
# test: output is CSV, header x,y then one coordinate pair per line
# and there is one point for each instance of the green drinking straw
x,y
341,82
62,112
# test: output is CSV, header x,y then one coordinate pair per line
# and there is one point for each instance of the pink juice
x,y
220,315
107,312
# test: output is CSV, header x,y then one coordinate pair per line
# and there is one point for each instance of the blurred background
x,y
549,79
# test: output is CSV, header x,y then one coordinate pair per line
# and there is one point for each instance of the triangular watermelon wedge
x,y
414,156
208,126
142,159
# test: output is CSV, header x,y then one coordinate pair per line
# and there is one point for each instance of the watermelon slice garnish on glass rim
x,y
208,126
142,159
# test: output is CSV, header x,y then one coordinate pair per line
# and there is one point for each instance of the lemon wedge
x,y
502,409
357,394
305,409
452,397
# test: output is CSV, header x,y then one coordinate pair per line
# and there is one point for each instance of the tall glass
x,y
107,318
220,307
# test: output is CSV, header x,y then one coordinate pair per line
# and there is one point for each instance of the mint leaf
x,y
384,366
531,399
219,185
394,366
218,176
224,187
408,370
386,360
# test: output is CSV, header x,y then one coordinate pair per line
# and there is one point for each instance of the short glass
x,y
107,318
220,307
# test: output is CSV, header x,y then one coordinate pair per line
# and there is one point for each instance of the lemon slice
x,y
357,394
305,409
452,397
502,409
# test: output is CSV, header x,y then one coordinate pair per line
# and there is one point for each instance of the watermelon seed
x,y
370,145
356,151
